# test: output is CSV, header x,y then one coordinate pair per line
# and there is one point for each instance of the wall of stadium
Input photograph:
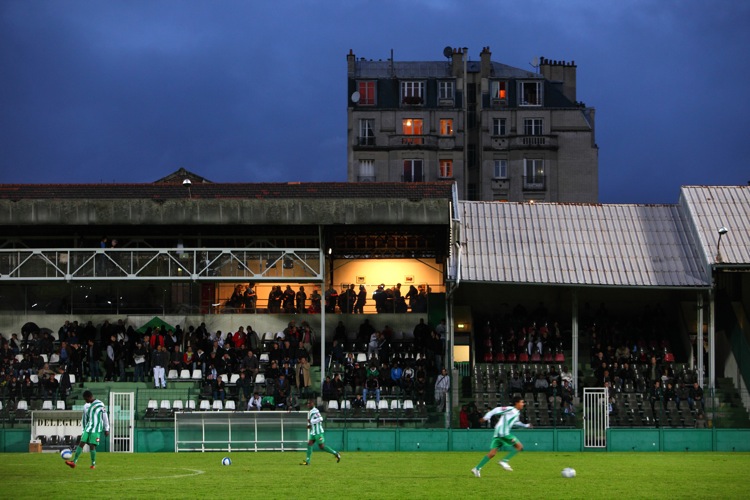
x,y
398,439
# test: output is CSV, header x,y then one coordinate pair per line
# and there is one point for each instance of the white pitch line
x,y
195,472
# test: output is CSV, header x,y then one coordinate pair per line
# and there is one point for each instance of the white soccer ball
x,y
226,461
66,454
568,472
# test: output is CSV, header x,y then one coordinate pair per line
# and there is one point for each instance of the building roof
x,y
575,244
431,69
176,190
712,207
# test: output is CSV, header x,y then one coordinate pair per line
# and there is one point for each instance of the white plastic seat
x,y
205,405
72,379
44,358
346,405
177,405
34,378
333,405
370,405
19,357
172,374
22,405
264,358
234,378
383,405
225,378
60,404
165,405
152,404
260,379
229,405
408,404
47,405
395,404
218,405
190,404
54,359
58,376
197,375
361,357
185,374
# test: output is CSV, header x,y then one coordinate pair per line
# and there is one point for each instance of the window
x,y
446,126
412,171
533,174
500,170
498,126
366,171
366,133
412,127
533,126
445,90
530,93
446,168
498,91
366,91
412,92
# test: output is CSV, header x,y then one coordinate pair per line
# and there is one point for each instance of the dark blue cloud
x,y
255,91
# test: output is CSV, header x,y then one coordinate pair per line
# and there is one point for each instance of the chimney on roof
x,y
486,62
457,63
560,72
350,60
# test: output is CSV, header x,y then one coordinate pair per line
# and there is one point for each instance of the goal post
x,y
240,431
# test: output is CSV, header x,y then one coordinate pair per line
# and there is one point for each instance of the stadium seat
x,y
224,378
332,405
370,405
230,406
22,405
234,378
197,375
346,405
172,375
217,405
72,379
260,379
177,405
190,406
44,358
151,408
19,357
264,359
383,405
361,357
60,404
47,405
205,405
185,374
395,404
165,409
34,378
54,359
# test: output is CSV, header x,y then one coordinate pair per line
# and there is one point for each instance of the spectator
x,y
159,360
442,386
695,395
372,386
463,418
93,355
700,421
358,402
301,300
359,305
328,390
244,387
339,386
540,384
282,390
303,377
139,359
254,403
554,395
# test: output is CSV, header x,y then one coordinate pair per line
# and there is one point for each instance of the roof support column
x,y
699,340
711,340
574,332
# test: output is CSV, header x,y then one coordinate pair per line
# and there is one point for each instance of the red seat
x,y
488,357
523,357
559,357
669,358
536,357
500,357
511,357
548,358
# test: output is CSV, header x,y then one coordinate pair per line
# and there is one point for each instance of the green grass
x,y
377,475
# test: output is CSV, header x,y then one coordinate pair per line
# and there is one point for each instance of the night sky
x,y
254,91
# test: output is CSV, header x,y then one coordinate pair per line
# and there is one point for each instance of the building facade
x,y
501,133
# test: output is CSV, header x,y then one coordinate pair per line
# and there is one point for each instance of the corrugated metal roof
x,y
598,245
712,207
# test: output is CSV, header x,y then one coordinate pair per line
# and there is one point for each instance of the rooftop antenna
x,y
393,73
535,64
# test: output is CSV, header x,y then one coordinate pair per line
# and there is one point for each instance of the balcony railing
x,y
409,141
524,142
412,178
365,178
535,183
366,141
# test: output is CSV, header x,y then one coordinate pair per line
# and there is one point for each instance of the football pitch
x,y
376,475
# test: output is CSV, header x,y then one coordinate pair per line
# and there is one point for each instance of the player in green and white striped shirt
x,y
502,435
94,421
315,433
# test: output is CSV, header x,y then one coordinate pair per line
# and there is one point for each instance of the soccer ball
x,y
66,454
226,461
568,472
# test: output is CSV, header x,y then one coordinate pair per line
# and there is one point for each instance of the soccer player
x,y
502,436
315,433
95,421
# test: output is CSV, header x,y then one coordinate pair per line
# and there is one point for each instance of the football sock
x,y
482,463
510,454
309,453
93,457
329,450
79,450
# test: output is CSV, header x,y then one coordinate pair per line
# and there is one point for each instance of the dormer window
x,y
498,91
366,89
412,92
530,93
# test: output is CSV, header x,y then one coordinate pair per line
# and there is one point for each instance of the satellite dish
x,y
535,62
355,97
448,51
